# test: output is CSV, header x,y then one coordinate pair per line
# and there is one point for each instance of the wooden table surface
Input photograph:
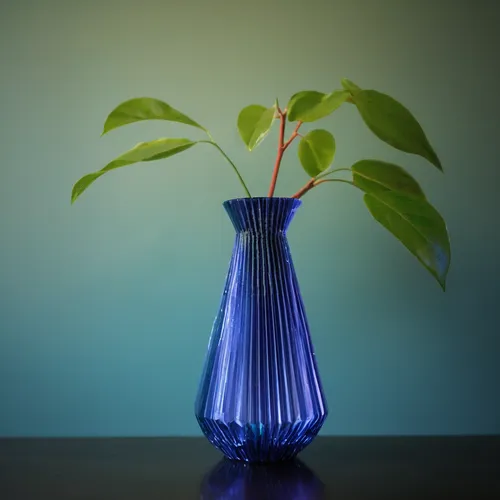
x,y
341,468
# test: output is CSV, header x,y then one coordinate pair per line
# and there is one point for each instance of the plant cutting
x,y
260,397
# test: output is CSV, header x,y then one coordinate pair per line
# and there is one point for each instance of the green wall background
x,y
106,306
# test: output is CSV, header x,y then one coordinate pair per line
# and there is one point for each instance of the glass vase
x,y
260,398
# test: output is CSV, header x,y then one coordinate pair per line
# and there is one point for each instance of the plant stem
x,y
276,169
328,172
281,149
295,133
213,143
304,189
316,182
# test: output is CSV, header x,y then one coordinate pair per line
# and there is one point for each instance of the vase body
x,y
260,397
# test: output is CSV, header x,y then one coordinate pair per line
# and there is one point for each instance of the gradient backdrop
x,y
106,306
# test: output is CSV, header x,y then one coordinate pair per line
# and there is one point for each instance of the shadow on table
x,y
230,480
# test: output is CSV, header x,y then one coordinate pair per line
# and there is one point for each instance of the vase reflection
x,y
290,480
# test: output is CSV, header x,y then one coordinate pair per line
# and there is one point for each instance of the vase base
x,y
259,443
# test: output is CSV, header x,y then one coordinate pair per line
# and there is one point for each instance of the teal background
x,y
106,306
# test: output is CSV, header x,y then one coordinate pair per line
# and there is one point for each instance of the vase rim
x,y
259,198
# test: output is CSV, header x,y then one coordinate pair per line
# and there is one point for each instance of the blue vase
x,y
260,398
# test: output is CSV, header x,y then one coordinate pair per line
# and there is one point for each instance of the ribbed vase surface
x,y
260,397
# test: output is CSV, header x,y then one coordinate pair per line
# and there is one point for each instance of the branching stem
x,y
282,146
329,172
316,182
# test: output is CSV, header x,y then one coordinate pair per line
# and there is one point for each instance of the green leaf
x,y
144,151
316,151
391,122
418,225
145,108
309,105
351,87
373,176
254,123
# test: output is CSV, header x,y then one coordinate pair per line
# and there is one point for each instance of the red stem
x,y
313,183
295,133
304,189
281,149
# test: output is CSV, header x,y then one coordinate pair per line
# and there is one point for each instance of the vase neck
x,y
261,215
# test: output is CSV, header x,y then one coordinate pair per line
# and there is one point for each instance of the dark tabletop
x,y
340,468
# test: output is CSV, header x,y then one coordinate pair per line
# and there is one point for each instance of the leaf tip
x,y
107,127
75,192
433,158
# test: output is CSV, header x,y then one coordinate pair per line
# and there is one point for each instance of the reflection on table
x,y
231,480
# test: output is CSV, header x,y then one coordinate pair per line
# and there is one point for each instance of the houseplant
x,y
260,397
